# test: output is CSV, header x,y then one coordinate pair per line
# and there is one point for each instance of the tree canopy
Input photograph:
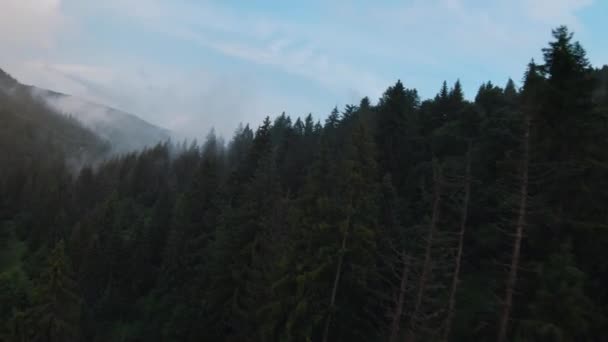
x,y
444,219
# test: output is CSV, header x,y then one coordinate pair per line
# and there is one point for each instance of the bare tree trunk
x,y
334,290
463,225
521,222
426,268
401,299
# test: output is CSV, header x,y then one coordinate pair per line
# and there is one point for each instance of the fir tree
x,y
56,314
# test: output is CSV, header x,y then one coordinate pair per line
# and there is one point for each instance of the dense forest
x,y
403,220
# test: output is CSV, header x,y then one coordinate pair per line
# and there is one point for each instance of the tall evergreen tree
x,y
56,314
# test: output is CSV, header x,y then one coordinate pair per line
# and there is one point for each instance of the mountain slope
x,y
32,132
124,131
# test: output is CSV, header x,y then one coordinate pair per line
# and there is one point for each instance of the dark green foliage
x,y
302,231
55,314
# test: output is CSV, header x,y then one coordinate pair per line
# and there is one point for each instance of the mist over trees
x,y
401,220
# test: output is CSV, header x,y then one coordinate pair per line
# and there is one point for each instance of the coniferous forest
x,y
397,220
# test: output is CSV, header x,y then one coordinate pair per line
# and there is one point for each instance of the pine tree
x,y
56,314
456,95
568,136
333,119
335,230
397,133
444,92
560,310
510,91
530,89
237,280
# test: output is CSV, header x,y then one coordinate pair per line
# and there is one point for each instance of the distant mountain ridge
x,y
122,131
33,134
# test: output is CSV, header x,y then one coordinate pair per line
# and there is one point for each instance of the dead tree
x,y
463,225
400,302
519,231
334,290
427,263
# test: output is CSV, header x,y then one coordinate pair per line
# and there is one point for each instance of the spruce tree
x,y
56,313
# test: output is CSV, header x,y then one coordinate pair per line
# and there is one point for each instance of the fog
x,y
123,131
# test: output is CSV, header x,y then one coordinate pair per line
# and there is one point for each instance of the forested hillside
x,y
396,220
44,112
122,131
30,129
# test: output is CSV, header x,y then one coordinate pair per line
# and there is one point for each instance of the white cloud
x,y
552,11
188,102
30,23
255,38
183,100
66,78
303,61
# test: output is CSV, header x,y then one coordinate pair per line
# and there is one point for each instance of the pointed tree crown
x,y
333,119
563,56
456,94
443,93
510,90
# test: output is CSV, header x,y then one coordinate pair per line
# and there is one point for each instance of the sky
x,y
193,65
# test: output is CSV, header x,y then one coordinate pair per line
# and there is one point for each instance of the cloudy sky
x,y
191,65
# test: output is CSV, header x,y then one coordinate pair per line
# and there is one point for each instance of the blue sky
x,y
191,65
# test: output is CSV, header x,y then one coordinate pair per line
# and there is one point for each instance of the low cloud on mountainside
x,y
123,131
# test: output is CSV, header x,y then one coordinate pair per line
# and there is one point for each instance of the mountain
x,y
32,133
125,132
